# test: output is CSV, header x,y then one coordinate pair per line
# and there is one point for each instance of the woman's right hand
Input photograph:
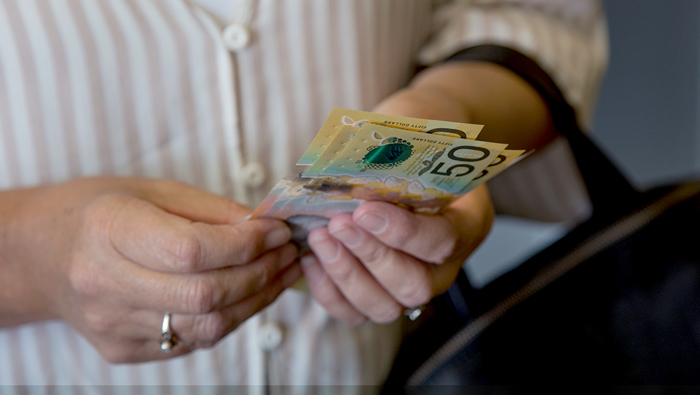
x,y
111,255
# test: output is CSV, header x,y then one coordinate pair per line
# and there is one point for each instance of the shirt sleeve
x,y
568,39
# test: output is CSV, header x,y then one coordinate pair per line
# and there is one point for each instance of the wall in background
x,y
648,118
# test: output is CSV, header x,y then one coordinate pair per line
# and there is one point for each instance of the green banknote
x,y
444,163
340,117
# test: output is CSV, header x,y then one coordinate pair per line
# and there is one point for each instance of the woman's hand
x,y
381,259
375,262
111,255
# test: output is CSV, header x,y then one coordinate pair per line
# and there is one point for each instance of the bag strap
x,y
608,189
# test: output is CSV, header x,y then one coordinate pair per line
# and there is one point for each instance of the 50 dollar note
x,y
445,163
340,117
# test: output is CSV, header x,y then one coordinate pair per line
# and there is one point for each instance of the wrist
x,y
22,299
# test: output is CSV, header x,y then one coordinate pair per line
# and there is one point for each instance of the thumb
x,y
192,203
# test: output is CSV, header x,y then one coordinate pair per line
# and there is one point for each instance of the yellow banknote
x,y
445,163
340,117
503,161
336,146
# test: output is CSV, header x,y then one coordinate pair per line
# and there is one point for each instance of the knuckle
x,y
248,244
99,324
186,253
377,255
210,329
416,292
402,233
341,270
266,273
447,248
200,296
386,313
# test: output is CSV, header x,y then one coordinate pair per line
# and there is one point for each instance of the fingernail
x,y
277,237
348,235
325,248
373,222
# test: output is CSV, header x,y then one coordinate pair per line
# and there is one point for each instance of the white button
x,y
269,336
236,37
253,174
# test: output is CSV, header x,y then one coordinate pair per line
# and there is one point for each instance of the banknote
x,y
332,150
420,165
503,161
306,203
340,117
330,196
444,163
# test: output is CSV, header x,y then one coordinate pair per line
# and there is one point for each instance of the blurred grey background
x,y
647,119
648,114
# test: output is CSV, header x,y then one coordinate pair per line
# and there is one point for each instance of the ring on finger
x,y
167,337
414,313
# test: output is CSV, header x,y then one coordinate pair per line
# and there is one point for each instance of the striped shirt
x,y
226,97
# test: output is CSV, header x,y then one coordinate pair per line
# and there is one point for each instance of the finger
x,y
120,351
352,279
210,328
204,330
192,203
327,294
428,238
436,239
197,293
407,279
158,240
472,214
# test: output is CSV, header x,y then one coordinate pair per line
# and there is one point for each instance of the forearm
x,y
477,92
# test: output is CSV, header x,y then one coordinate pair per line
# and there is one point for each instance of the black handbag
x,y
616,301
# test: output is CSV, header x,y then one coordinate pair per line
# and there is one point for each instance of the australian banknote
x,y
445,163
340,117
417,164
